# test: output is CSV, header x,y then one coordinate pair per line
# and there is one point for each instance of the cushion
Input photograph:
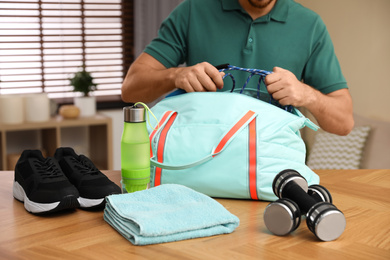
x,y
377,147
331,151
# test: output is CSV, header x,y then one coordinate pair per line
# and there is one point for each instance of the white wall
x,y
360,33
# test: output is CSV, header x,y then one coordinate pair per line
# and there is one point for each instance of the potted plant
x,y
82,82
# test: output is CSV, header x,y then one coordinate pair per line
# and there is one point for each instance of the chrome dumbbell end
x,y
325,221
282,217
284,177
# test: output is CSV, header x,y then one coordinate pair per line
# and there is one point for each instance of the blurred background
x,y
44,43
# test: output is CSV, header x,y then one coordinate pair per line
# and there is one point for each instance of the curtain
x,y
148,15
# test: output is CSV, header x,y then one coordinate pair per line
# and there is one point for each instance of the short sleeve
x,y
322,70
170,46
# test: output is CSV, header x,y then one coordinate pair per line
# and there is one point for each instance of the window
x,y
44,42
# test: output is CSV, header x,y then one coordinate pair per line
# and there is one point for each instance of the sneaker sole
x,y
67,202
91,203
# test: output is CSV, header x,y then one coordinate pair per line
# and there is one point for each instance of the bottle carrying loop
x,y
147,115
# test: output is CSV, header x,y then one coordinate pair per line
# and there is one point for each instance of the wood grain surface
x,y
362,195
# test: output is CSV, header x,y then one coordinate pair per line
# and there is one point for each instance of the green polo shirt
x,y
220,31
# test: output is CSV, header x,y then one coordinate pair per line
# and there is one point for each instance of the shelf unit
x,y
49,135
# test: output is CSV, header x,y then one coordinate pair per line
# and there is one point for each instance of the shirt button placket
x,y
250,39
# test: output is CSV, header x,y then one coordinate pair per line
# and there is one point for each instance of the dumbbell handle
x,y
294,192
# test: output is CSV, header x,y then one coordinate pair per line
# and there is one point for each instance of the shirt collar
x,y
278,13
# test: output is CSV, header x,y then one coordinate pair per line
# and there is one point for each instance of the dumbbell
x,y
283,216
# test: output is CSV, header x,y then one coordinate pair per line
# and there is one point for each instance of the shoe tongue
x,y
36,154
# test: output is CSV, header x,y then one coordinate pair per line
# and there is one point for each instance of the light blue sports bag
x,y
227,145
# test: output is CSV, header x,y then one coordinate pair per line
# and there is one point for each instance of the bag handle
x,y
160,125
222,144
261,73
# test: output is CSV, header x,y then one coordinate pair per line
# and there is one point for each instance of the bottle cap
x,y
134,114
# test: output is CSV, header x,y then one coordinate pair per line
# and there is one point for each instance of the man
x,y
277,35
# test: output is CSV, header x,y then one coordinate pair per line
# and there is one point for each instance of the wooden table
x,y
362,195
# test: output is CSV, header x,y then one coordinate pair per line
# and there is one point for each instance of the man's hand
x,y
148,79
201,77
332,111
287,89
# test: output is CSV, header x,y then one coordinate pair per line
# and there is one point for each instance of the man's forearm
x,y
146,84
333,111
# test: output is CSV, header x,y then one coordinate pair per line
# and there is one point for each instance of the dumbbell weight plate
x,y
325,221
284,177
282,217
319,193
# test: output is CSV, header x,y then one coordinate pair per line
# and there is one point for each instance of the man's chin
x,y
260,3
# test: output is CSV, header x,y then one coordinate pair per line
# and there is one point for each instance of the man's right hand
x,y
148,79
202,77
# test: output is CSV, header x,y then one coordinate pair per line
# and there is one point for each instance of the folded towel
x,y
167,213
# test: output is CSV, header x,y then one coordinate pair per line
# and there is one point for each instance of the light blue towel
x,y
167,213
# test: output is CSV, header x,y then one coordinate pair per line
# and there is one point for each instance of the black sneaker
x,y
91,183
41,184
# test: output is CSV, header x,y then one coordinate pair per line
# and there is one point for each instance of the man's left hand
x,y
287,89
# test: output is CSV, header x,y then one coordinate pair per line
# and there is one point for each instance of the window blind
x,y
43,43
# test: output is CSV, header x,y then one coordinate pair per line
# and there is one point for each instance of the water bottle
x,y
135,150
